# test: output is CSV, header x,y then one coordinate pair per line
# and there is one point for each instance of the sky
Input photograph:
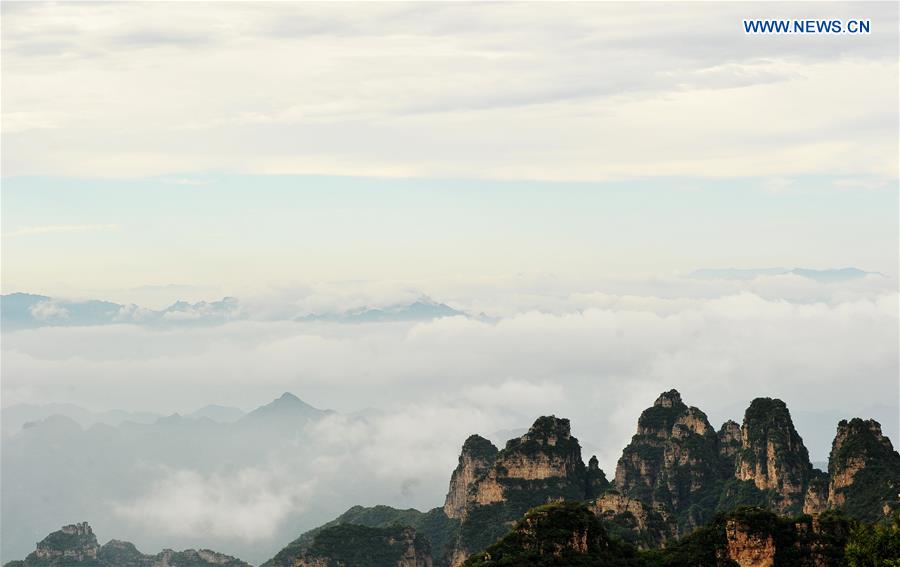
x,y
558,172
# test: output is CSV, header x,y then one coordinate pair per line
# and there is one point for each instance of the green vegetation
x,y
439,530
562,534
362,546
478,447
874,545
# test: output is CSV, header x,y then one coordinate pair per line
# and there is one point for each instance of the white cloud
x,y
48,311
249,504
438,90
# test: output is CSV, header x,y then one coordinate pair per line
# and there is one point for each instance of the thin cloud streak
x,y
58,229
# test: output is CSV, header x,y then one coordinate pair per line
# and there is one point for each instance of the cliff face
x,y
864,471
672,462
77,545
773,456
477,456
748,547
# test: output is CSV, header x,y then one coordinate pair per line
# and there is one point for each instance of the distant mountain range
x,y
29,311
834,275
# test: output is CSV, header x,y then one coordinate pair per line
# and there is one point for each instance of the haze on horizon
x,y
554,175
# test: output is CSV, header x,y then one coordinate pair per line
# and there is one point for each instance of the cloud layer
x,y
585,92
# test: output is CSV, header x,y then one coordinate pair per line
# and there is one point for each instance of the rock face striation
x,y
77,545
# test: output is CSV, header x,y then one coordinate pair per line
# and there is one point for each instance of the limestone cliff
x,y
475,460
864,471
672,463
773,456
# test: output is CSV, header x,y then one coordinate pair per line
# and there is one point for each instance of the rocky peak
x,y
543,465
659,419
729,439
74,542
671,460
669,399
547,450
773,455
864,469
475,460
596,482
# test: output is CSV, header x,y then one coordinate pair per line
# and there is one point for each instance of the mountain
x,y
831,275
222,414
288,408
773,456
706,497
25,310
129,465
863,471
423,309
683,492
76,544
28,311
672,465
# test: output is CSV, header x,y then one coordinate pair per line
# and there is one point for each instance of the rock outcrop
x,y
863,470
749,547
773,456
